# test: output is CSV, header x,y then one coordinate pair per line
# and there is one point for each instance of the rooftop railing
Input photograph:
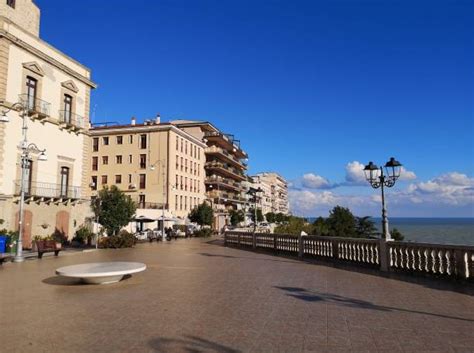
x,y
449,261
48,190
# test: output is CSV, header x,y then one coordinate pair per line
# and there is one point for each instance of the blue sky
x,y
309,87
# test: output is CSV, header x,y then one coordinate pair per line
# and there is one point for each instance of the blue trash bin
x,y
3,243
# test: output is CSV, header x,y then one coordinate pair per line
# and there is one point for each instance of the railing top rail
x,y
429,245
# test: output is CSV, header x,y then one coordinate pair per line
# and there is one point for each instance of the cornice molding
x,y
34,67
69,84
46,58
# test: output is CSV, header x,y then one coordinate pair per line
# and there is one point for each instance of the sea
x,y
454,231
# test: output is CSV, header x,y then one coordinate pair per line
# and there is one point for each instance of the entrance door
x,y
62,223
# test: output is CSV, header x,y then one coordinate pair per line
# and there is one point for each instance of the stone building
x,y
53,91
225,168
274,197
157,164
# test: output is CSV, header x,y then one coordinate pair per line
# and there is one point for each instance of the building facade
x,y
225,169
274,195
51,91
158,165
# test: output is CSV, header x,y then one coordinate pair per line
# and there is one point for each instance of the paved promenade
x,y
200,297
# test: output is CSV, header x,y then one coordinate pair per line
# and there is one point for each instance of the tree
x,y
270,217
396,235
365,227
280,217
236,217
259,215
202,215
341,222
294,225
114,209
320,227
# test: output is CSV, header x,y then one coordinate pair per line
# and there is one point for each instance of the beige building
x,y
225,167
156,164
274,197
53,92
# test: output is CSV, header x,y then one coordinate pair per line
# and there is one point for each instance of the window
x,y
31,91
194,168
177,181
185,184
95,144
118,159
181,163
181,202
94,183
142,181
11,3
118,179
176,201
143,161
95,163
186,147
67,109
141,201
130,159
177,162
64,181
177,143
105,160
129,178
186,165
143,141
185,203
105,140
181,184
130,139
181,145
199,169
119,140
104,179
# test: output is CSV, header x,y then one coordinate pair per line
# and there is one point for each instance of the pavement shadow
x,y
245,258
67,281
190,344
313,296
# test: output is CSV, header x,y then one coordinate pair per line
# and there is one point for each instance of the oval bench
x,y
101,272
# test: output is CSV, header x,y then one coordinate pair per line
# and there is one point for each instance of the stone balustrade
x,y
415,258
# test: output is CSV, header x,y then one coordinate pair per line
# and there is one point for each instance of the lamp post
x,y
377,179
253,192
26,149
152,167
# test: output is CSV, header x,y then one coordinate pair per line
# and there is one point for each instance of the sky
x,y
313,89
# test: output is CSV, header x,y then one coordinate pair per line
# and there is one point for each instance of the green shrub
x,y
83,235
203,233
123,240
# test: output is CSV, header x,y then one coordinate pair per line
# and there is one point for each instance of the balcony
x,y
225,140
224,169
36,107
71,121
48,191
229,157
150,205
223,183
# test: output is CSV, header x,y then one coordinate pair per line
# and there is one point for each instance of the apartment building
x,y
225,168
274,197
156,164
49,92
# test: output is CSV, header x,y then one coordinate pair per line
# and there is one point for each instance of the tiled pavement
x,y
200,297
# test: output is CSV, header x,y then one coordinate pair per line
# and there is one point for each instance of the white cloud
x,y
406,174
355,173
313,181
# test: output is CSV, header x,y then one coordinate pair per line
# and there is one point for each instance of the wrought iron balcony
x,y
48,190
35,106
71,120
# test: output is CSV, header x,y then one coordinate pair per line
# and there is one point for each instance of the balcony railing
x,y
150,205
35,105
70,119
228,169
229,156
48,190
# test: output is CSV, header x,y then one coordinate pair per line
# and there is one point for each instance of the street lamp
x,y
26,149
377,179
253,192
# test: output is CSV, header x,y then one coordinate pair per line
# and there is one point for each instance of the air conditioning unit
x,y
132,186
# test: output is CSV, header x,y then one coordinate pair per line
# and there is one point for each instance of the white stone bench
x,y
101,272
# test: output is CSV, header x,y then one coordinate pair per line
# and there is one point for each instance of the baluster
x,y
442,261
429,260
